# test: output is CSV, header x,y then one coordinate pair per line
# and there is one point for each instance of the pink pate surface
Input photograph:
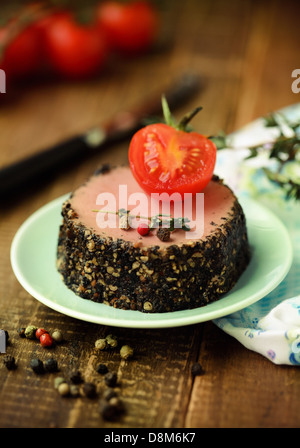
x,y
218,201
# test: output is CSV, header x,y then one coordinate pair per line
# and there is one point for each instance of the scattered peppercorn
x,y
89,390
115,401
9,362
63,389
163,234
102,369
39,332
46,340
57,336
21,332
109,393
74,390
108,411
75,377
59,380
37,365
110,379
126,352
30,331
196,369
51,365
101,344
110,405
143,229
112,340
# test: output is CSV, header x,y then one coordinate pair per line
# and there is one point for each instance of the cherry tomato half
x,y
164,159
74,50
131,27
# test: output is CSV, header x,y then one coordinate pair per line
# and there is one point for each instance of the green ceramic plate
x,y
33,254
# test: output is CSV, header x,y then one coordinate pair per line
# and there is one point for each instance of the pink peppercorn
x,y
46,340
39,332
143,229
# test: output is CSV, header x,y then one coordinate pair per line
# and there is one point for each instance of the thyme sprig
x,y
156,221
291,187
285,148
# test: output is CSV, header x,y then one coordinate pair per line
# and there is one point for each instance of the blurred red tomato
x,y
42,26
47,20
21,56
131,27
73,50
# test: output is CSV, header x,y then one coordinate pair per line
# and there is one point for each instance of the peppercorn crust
x,y
152,279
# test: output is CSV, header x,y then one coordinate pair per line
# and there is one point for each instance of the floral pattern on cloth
x,y
270,326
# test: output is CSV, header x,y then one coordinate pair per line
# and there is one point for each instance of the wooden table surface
x,y
245,53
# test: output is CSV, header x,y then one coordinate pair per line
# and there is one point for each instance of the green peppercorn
x,y
101,344
59,380
30,331
111,340
126,352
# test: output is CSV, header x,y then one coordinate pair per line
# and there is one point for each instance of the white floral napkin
x,y
270,326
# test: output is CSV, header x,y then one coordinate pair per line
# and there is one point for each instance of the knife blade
x,y
39,166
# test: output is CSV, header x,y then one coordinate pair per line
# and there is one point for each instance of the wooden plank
x,y
241,388
155,384
245,52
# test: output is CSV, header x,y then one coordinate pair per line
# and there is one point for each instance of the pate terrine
x,y
118,267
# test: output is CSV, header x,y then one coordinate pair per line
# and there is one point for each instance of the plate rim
x,y
147,321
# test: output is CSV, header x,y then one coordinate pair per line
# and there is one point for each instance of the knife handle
x,y
33,168
26,172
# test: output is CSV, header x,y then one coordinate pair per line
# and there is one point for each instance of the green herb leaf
x,y
286,148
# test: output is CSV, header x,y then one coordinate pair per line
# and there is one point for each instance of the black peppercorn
x,y
102,369
89,390
21,332
115,401
37,365
108,411
75,377
110,379
196,369
51,365
9,362
163,234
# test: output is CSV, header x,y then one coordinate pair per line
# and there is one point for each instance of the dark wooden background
x,y
245,52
